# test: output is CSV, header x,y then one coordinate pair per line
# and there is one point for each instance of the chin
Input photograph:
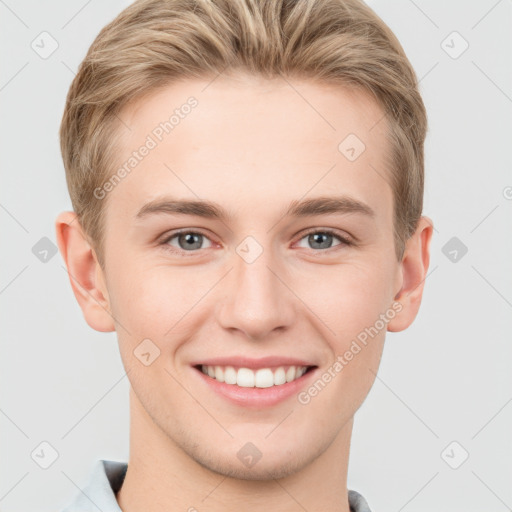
x,y
265,468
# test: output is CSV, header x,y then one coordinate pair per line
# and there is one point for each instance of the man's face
x,y
258,282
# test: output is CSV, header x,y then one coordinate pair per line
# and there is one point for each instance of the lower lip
x,y
257,397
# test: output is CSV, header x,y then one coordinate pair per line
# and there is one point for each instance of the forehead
x,y
241,139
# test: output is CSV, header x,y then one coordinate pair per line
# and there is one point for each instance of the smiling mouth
x,y
258,378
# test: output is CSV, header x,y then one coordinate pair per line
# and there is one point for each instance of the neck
x,y
163,477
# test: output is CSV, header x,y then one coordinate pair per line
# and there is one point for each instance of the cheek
x,y
346,297
154,301
350,304
361,327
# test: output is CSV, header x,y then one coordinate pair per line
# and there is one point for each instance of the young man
x,y
247,183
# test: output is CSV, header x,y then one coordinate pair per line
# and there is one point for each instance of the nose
x,y
257,301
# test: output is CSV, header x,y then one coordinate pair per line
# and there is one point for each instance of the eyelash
x,y
165,243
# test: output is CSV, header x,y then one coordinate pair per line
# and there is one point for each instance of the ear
x,y
85,274
413,270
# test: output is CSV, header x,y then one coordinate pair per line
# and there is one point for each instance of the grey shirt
x,y
107,478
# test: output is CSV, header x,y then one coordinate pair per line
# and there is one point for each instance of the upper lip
x,y
247,362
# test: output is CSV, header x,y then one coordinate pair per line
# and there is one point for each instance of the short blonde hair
x,y
155,42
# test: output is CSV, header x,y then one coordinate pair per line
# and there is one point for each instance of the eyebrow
x,y
211,210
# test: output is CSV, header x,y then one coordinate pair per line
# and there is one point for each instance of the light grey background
x,y
446,378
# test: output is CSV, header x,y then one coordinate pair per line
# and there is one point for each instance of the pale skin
x,y
251,146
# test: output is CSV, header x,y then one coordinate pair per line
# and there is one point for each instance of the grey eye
x,y
189,240
320,240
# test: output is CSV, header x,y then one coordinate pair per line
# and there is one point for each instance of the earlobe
x,y
85,274
414,268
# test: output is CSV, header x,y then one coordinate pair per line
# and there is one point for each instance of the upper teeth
x,y
261,378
